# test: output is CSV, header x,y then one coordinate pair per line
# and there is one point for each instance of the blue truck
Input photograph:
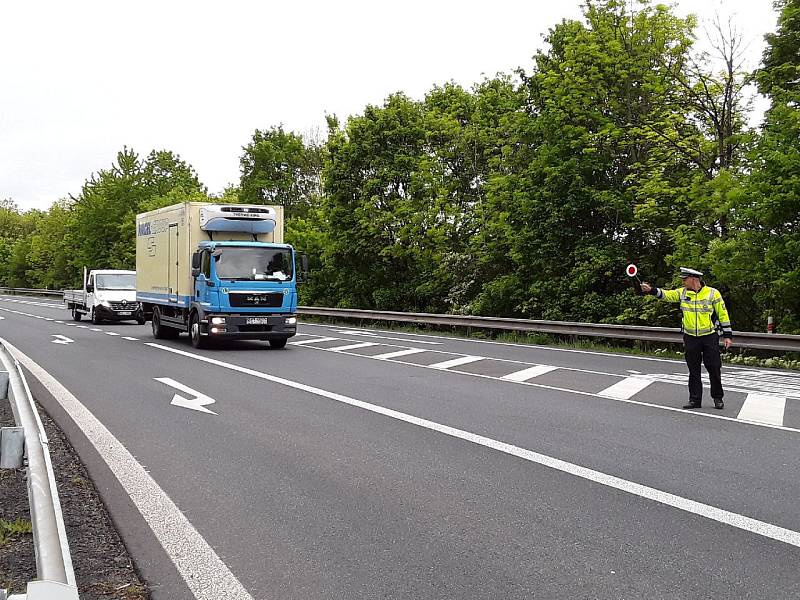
x,y
216,272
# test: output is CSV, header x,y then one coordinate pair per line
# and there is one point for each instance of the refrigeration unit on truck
x,y
217,271
107,295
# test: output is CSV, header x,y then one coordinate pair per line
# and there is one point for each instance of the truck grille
x,y
124,305
269,299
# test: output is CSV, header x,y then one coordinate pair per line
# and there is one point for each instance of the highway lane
x,y
354,504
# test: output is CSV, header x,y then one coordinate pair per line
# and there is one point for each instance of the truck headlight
x,y
291,320
217,320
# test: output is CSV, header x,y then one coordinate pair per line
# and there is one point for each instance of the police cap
x,y
687,272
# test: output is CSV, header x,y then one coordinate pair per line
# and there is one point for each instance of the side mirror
x,y
89,288
302,276
197,258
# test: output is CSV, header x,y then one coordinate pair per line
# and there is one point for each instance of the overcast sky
x,y
81,79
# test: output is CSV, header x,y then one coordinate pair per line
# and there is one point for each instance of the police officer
x,y
700,304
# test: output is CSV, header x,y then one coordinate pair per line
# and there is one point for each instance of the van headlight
x,y
291,320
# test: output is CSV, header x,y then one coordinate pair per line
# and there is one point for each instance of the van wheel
x,y
277,344
76,316
95,317
198,341
162,332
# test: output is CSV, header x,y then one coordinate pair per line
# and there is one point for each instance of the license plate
x,y
257,321
124,313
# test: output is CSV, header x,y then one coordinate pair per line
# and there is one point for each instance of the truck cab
x,y
245,290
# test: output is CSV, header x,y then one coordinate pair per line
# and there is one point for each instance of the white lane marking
x,y
633,371
82,326
133,339
383,337
529,373
742,522
398,353
1,318
96,329
353,346
59,322
313,341
763,408
555,388
461,360
110,333
203,571
627,388
198,400
619,355
62,339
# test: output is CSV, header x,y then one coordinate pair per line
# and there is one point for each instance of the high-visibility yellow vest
x,y
698,310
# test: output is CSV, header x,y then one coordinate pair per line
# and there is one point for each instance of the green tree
x,y
278,167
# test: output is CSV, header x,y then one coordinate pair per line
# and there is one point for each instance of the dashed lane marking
x,y
763,408
456,362
354,346
133,339
529,373
627,388
314,341
399,353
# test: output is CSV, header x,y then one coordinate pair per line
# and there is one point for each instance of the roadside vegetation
x,y
523,196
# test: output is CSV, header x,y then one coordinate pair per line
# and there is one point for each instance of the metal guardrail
x,y
33,292
55,575
743,339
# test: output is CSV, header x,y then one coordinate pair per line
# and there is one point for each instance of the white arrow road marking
x,y
62,339
198,402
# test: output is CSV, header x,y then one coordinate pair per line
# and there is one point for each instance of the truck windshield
x,y
254,263
118,281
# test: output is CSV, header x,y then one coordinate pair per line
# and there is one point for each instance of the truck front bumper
x,y
249,327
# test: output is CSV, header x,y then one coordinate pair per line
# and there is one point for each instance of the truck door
x,y
173,262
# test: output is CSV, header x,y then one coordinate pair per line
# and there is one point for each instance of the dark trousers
x,y
703,348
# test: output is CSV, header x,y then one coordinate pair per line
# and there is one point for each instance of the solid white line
x,y
627,388
314,341
405,352
530,373
763,408
461,360
742,522
203,571
353,346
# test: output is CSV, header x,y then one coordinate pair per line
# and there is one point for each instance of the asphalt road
x,y
369,464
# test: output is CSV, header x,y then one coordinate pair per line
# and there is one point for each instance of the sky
x,y
79,80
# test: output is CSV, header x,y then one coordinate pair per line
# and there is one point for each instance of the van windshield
x,y
273,264
117,281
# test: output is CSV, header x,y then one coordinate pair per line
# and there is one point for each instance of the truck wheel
x,y
277,344
161,332
198,341
76,316
95,317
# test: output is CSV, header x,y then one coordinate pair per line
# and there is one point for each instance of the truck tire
x,y
198,341
76,316
161,332
277,344
95,317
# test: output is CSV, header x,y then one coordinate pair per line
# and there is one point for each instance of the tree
x,y
279,168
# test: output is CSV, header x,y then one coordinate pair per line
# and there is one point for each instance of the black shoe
x,y
692,405
719,404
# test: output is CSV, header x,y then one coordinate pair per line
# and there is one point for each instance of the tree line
x,y
524,195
